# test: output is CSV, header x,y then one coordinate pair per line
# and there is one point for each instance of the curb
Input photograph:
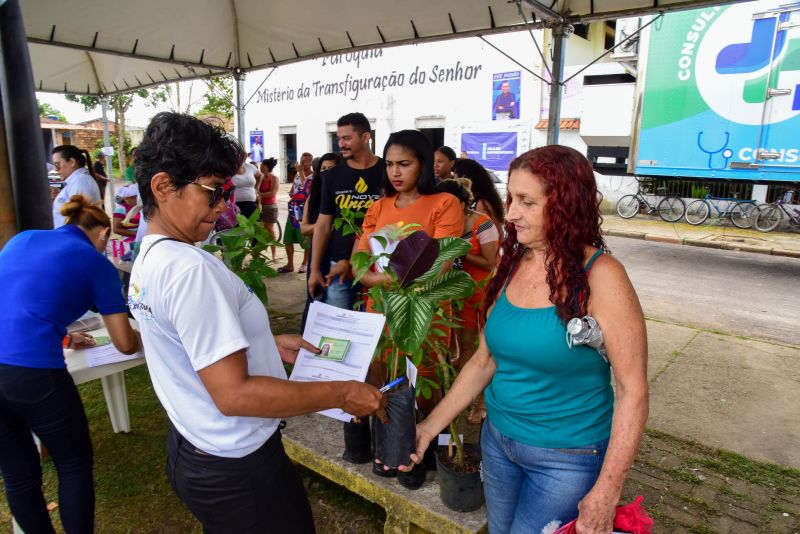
x,y
755,249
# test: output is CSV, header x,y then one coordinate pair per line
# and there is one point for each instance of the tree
x,y
46,110
219,98
121,103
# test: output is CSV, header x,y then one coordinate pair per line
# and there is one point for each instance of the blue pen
x,y
391,384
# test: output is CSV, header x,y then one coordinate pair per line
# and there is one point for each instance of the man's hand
x,y
361,399
290,344
341,269
595,514
316,283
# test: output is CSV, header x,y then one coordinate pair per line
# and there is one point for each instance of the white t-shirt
x,y
192,312
245,184
80,182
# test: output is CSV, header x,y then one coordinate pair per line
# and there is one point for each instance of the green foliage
x,y
349,223
46,110
241,249
218,98
114,142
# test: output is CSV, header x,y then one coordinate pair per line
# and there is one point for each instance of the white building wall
x,y
309,97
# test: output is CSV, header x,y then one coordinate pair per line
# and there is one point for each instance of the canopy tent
x,y
102,47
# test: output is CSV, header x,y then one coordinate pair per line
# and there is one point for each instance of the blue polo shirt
x,y
48,279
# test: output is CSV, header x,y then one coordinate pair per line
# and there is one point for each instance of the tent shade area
x,y
115,46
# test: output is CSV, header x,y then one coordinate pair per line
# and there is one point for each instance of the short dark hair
x,y
447,152
416,142
459,188
270,163
186,148
358,121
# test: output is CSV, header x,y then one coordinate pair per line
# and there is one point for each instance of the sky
x,y
138,115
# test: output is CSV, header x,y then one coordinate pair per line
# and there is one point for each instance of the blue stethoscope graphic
x,y
726,152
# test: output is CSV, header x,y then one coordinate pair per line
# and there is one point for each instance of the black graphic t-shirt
x,y
346,188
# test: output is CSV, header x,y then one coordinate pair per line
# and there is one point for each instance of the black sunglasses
x,y
221,192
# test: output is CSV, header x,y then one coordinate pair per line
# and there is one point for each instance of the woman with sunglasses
x,y
50,278
73,164
215,366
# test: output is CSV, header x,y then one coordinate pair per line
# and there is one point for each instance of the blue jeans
x,y
532,489
341,295
46,402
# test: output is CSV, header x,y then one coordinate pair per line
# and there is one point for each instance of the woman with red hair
x,y
555,443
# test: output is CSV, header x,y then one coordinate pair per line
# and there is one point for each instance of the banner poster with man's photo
x,y
257,145
505,95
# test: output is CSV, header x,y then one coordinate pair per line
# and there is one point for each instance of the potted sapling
x,y
412,303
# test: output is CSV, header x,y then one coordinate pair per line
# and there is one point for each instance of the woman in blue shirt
x,y
555,444
49,279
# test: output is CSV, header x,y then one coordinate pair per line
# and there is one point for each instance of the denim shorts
x,y
534,489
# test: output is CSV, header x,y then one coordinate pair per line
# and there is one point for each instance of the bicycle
x,y
670,208
740,212
770,216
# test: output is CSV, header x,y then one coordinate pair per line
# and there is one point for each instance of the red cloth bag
x,y
630,519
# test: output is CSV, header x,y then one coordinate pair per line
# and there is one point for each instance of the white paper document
x,y
96,356
348,340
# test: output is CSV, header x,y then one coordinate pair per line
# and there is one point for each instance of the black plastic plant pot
x,y
357,442
460,490
396,440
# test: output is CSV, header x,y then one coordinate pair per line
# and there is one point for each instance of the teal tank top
x,y
544,393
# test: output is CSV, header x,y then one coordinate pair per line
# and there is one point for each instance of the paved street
x,y
740,293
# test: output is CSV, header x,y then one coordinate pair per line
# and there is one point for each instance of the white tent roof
x,y
107,46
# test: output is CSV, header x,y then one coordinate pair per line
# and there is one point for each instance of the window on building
x,y
581,30
610,28
434,135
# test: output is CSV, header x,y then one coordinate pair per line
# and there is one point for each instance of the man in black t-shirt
x,y
353,185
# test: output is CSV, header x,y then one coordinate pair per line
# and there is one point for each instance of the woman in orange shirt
x,y
410,196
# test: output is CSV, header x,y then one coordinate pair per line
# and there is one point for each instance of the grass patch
x,y
730,464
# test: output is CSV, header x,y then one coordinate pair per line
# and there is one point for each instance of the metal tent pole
x,y
559,31
109,200
26,156
238,75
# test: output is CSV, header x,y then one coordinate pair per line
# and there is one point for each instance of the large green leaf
x,y
450,248
408,319
447,286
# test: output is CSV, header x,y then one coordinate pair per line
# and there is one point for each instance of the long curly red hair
x,y
571,221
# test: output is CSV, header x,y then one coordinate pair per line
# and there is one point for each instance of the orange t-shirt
x,y
440,215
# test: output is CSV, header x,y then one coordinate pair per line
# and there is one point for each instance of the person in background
x,y
443,160
297,200
487,199
214,363
247,182
555,444
267,192
130,176
311,211
123,225
100,175
479,263
354,185
73,166
50,278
